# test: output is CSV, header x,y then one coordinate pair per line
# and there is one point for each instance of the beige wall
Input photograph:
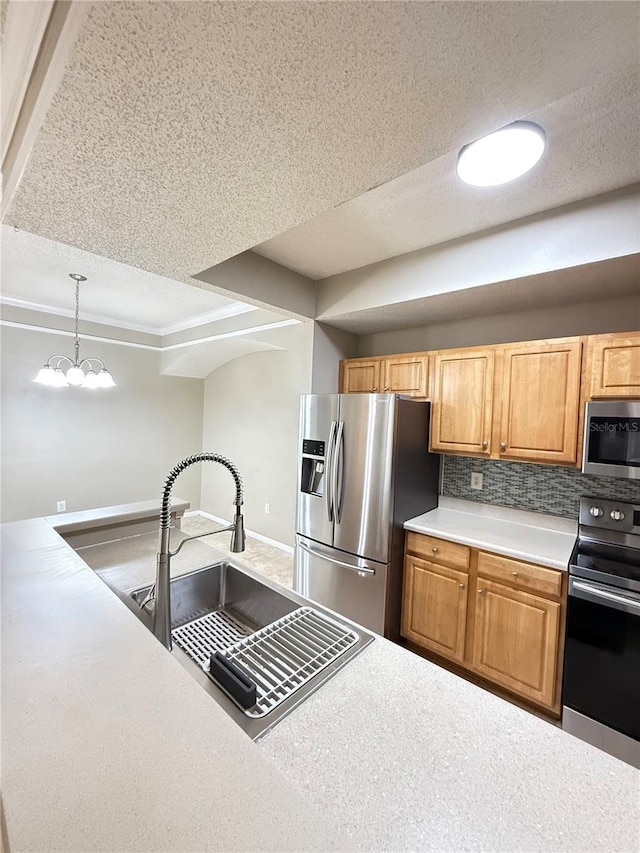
x,y
92,448
251,410
610,315
329,347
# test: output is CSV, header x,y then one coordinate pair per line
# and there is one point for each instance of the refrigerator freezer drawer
x,y
351,586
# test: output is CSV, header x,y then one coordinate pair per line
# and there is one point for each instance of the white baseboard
x,y
273,542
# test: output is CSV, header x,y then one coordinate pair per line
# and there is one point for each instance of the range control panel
x,y
610,515
313,448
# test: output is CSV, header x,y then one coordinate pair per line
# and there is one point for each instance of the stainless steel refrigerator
x,y
363,470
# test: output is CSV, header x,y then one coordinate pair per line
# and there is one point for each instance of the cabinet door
x,y
462,401
434,612
406,375
360,376
615,366
540,402
515,640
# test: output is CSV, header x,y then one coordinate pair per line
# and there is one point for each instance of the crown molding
x,y
238,333
233,310
222,313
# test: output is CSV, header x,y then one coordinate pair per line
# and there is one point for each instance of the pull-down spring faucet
x,y
161,589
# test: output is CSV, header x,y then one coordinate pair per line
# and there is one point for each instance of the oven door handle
x,y
606,597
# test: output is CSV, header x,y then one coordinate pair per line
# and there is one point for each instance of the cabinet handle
x,y
480,591
386,389
485,444
434,550
461,586
503,445
374,388
515,574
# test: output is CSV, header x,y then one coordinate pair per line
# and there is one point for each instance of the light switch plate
x,y
476,480
61,506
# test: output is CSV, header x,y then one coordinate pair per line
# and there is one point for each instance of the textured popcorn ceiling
x,y
184,133
593,146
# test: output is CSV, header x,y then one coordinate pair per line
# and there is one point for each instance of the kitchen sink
x,y
222,588
228,609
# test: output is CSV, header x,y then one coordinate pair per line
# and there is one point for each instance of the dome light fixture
x,y
52,375
501,156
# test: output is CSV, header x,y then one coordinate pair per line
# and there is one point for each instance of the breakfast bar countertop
x,y
546,540
109,744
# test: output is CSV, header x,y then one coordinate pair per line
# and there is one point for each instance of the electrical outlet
x,y
476,481
61,506
267,509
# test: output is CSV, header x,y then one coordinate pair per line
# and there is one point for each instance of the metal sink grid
x,y
284,656
213,632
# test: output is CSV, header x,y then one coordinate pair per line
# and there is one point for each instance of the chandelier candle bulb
x,y
52,375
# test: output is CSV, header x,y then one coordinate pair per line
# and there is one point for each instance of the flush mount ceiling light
x,y
52,374
501,156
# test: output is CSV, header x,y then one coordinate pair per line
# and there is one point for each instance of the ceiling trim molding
x,y
222,313
14,324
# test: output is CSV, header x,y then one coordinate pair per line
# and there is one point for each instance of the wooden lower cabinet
x,y
505,627
435,607
515,640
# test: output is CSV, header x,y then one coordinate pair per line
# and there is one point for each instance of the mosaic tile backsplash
x,y
541,488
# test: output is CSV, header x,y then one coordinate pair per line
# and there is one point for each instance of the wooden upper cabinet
x,y
462,393
360,375
434,610
406,375
515,640
615,366
540,401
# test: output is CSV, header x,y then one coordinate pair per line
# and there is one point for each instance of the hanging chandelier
x,y
52,373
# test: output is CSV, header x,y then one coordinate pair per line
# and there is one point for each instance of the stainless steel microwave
x,y
612,439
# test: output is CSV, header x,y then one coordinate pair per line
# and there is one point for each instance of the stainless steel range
x,y
601,688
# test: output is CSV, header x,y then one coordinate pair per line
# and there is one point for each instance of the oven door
x,y
602,655
612,439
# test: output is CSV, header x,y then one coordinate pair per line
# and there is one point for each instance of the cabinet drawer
x,y
438,550
522,575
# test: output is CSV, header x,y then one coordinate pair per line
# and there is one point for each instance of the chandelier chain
x,y
77,312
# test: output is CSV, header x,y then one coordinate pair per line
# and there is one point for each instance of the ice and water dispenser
x,y
313,467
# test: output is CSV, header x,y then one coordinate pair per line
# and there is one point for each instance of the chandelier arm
x,y
88,361
60,358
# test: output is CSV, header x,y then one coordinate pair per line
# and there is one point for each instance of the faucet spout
x,y
162,609
238,538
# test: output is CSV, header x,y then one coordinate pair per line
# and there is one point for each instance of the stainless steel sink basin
x,y
223,588
215,607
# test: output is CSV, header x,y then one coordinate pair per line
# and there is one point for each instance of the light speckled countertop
x,y
108,744
531,536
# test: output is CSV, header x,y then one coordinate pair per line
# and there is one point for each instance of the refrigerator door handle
x,y
329,474
362,571
338,473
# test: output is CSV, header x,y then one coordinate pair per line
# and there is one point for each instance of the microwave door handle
x,y
338,473
596,595
359,569
329,472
